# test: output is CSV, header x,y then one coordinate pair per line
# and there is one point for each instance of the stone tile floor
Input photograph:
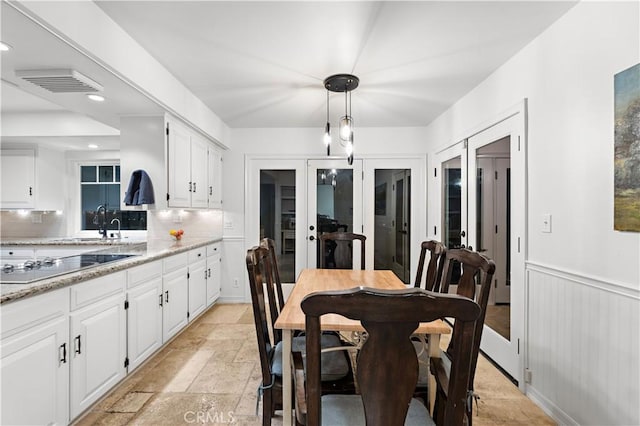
x,y
209,375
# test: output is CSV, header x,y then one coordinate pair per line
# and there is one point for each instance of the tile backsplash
x,y
32,224
194,223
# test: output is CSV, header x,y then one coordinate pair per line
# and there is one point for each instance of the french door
x,y
275,205
496,227
334,203
480,184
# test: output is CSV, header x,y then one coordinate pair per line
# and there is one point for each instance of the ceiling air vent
x,y
60,81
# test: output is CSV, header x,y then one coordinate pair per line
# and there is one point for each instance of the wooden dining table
x,y
292,318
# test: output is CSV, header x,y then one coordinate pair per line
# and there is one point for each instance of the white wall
x,y
583,278
305,142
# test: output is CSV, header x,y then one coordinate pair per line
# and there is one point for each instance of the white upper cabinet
x,y
199,175
180,168
18,178
32,178
215,178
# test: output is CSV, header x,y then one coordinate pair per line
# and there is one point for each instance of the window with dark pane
x,y
100,186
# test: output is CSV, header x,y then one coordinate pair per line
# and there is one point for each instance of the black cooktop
x,y
34,270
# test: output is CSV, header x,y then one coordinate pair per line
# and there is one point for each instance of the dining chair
x,y
431,282
475,283
336,369
387,363
275,270
336,250
434,269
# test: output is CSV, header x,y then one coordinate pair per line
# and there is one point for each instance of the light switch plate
x,y
546,222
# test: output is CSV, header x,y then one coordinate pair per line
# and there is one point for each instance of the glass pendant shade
x,y
327,138
346,128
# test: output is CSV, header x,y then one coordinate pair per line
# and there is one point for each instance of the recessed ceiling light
x,y
93,146
96,98
4,46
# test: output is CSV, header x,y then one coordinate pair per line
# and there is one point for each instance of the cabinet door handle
x,y
205,274
30,190
78,342
63,359
211,190
166,296
209,272
194,187
160,299
190,186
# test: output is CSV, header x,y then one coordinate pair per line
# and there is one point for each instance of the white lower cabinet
x,y
175,295
97,339
144,312
35,360
213,273
197,282
63,350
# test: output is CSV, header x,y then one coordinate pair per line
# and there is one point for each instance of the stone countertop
x,y
153,249
69,241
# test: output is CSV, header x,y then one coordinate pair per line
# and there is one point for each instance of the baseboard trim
x,y
549,407
231,300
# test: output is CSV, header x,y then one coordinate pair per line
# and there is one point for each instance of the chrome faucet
x,y
102,227
115,219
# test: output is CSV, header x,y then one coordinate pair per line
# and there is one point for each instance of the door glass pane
x,y
452,209
493,227
452,190
392,221
334,209
278,217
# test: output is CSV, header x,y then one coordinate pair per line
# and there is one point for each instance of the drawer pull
x,y
78,342
63,359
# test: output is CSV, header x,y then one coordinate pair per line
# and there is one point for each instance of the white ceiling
x,y
33,47
262,64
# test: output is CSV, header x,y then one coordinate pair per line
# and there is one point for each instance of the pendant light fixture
x,y
341,83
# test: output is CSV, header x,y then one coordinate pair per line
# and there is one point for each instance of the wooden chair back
x,y
387,363
275,270
434,269
260,272
475,283
336,250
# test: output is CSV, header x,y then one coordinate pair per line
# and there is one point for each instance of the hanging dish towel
x,y
140,189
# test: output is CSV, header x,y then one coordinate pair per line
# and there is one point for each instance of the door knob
x,y
311,238
311,228
463,234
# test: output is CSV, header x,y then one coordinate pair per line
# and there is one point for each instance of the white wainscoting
x,y
234,268
583,347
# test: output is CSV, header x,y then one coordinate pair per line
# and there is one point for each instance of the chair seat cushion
x,y
347,410
334,364
423,363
